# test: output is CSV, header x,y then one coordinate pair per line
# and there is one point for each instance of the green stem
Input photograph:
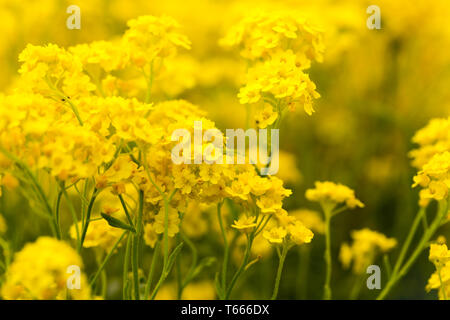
x,y
327,256
409,238
88,217
397,276
152,271
72,212
130,221
241,268
125,268
136,246
279,271
103,264
39,190
226,246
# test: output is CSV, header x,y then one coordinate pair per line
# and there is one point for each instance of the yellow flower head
x,y
266,117
275,235
245,223
41,270
329,192
367,244
439,254
174,222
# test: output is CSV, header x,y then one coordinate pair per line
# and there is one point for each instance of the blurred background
x,y
378,87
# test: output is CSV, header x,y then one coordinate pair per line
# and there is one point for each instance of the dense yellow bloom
x,y
329,192
280,78
434,138
439,254
290,230
149,37
259,35
40,271
366,246
434,178
440,279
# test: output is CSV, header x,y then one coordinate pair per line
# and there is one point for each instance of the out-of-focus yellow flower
x,y
311,219
174,222
149,37
99,234
366,246
40,271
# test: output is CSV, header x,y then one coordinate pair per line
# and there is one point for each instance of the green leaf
x,y
116,223
173,257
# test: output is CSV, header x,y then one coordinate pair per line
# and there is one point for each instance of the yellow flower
x,y
41,270
245,223
367,244
275,235
311,219
299,234
439,254
150,235
329,192
149,37
99,234
174,221
266,117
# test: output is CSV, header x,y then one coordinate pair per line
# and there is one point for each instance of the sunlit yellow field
x,y
119,178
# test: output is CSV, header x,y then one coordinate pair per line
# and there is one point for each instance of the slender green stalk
x,y
327,256
39,190
194,259
88,217
409,238
125,268
302,279
279,271
72,212
136,246
397,276
57,211
130,221
241,268
152,271
103,264
226,246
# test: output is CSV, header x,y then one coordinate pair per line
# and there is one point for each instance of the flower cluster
x,y
367,244
279,47
440,279
40,271
332,194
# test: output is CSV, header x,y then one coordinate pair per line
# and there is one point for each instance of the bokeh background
x,y
377,86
